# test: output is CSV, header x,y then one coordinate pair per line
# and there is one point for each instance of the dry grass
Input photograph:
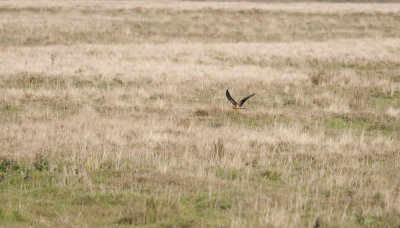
x,y
295,6
110,124
125,22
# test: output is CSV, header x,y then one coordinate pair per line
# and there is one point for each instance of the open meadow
x,y
113,114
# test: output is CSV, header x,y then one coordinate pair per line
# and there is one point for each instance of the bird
x,y
235,104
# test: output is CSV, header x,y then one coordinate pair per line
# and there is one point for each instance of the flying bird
x,y
235,104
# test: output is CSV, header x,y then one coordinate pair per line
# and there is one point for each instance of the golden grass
x,y
103,132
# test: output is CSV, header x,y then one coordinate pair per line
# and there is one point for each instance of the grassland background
x,y
114,114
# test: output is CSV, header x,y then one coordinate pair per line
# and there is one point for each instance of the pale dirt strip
x,y
304,7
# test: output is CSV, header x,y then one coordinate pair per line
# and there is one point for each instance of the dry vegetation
x,y
114,114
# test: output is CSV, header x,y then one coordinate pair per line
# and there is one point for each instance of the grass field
x,y
114,114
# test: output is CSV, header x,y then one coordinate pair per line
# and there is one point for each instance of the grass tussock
x,y
116,115
359,99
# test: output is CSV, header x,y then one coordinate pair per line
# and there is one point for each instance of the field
x,y
113,114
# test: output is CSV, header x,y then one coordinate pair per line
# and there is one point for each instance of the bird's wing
x,y
230,98
245,99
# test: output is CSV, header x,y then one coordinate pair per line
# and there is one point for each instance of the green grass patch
x,y
10,113
241,118
229,174
44,192
266,176
65,110
27,80
382,101
372,124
